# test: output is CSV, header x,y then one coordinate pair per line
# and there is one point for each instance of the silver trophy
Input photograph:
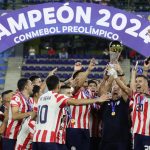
x,y
115,49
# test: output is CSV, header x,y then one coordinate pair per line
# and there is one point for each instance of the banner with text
x,y
74,18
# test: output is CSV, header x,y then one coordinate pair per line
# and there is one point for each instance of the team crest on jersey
x,y
139,107
17,99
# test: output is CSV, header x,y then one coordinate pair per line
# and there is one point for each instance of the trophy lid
x,y
115,49
115,46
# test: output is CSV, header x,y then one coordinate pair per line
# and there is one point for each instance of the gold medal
x,y
113,113
72,121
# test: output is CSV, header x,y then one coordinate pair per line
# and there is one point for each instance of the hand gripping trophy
x,y
115,49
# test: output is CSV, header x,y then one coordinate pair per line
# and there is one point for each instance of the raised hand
x,y
78,66
103,98
92,64
118,68
113,72
147,63
52,72
105,74
146,66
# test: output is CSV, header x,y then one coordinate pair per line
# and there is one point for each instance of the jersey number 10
x,y
42,114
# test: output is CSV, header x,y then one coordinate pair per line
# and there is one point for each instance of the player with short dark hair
x,y
51,121
25,136
95,120
36,80
20,108
79,124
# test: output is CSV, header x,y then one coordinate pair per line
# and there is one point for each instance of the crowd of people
x,y
78,114
63,53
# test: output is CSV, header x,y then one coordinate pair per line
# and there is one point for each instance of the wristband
x,y
120,75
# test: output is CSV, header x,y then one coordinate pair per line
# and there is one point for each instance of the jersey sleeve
x,y
15,101
62,100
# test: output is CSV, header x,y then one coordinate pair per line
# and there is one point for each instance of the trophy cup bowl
x,y
115,49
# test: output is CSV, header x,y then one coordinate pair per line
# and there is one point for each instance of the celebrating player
x,y
51,123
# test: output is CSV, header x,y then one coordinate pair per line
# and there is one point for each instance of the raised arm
x,y
78,102
84,75
124,87
133,77
78,82
120,72
43,86
146,66
77,67
106,85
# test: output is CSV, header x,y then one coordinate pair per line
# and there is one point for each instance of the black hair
x,y
6,92
65,87
52,82
76,73
33,78
114,43
92,81
22,83
142,76
35,90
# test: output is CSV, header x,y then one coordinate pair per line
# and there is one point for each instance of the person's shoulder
x,y
48,93
63,95
16,97
77,92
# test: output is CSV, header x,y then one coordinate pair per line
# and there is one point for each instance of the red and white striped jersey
x,y
81,114
25,136
140,114
51,119
1,117
35,107
13,126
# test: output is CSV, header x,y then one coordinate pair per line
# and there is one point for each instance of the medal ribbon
x,y
67,109
112,106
